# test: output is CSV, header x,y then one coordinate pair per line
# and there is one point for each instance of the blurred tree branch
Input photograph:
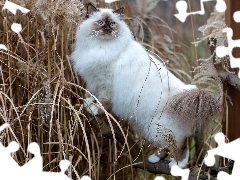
x,y
231,79
225,76
161,167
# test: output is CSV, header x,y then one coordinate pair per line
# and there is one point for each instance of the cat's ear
x,y
119,11
91,9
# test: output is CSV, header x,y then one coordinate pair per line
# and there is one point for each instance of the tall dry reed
x,y
41,96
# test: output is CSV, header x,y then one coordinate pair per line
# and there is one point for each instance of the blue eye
x,y
112,24
100,23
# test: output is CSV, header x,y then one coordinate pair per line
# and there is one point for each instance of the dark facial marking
x,y
107,28
108,24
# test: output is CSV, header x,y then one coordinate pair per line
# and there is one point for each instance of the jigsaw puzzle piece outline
x,y
35,165
236,16
64,164
177,171
159,178
12,7
223,176
111,1
181,7
222,51
4,126
5,156
227,150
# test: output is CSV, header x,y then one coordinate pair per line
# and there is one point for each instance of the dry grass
x,y
41,96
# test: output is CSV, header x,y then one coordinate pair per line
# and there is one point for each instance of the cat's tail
x,y
194,105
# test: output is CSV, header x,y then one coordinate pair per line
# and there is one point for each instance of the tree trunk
x,y
232,121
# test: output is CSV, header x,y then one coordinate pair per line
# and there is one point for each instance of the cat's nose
x,y
107,28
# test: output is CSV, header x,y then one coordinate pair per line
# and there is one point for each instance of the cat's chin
x,y
106,37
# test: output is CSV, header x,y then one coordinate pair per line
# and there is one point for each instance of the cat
x,y
128,81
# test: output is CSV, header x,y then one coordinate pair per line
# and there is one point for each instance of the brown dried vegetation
x,y
41,96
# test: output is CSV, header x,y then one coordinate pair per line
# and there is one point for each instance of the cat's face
x,y
105,26
105,22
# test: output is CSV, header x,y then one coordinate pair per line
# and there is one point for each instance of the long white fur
x,y
181,163
121,71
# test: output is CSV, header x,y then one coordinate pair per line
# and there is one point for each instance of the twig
x,y
160,167
225,76
231,79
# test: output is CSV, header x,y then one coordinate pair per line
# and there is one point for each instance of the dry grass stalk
x,y
42,97
42,106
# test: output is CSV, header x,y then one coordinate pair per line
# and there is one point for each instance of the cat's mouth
x,y
106,35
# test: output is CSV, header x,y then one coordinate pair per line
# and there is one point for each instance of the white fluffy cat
x,y
127,80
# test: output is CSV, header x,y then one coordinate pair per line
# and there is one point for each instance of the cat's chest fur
x,y
96,61
94,57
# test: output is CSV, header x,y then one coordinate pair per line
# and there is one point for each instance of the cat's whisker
x,y
116,69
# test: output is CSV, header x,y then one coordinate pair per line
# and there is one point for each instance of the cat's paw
x,y
172,163
153,158
180,164
90,107
183,163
